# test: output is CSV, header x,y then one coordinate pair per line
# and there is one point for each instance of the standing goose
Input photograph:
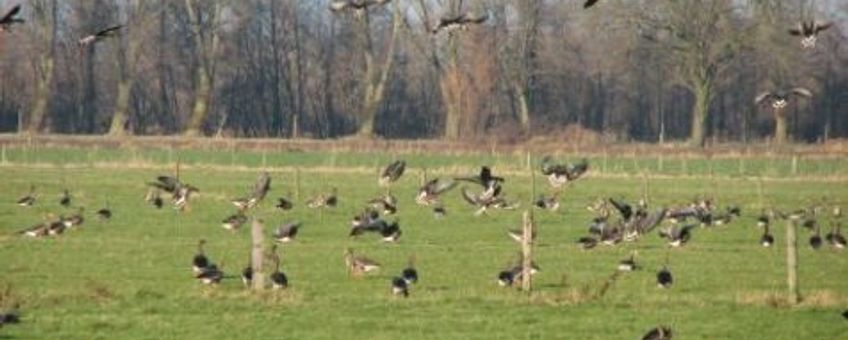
x,y
835,237
358,264
234,221
286,233
11,18
410,274
809,31
560,174
816,239
28,199
323,200
767,240
199,262
284,204
400,287
429,193
65,199
659,333
279,280
100,35
459,22
391,173
664,278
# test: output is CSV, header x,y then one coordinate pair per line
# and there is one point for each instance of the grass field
x,y
130,278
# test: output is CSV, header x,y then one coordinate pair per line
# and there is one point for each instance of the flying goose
x,y
284,204
659,333
664,278
835,237
199,262
100,35
400,287
357,6
260,190
643,223
410,274
391,173
429,193
487,200
560,174
484,178
285,233
65,199
780,98
181,192
323,200
278,278
11,18
28,199
358,264
459,22
386,203
234,221
153,197
808,31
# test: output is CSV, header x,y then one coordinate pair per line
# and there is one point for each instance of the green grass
x,y
130,277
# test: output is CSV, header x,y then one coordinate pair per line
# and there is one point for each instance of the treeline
x,y
646,70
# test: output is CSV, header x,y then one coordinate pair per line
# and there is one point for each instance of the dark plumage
x,y
234,221
664,278
677,236
279,280
816,239
429,193
808,31
779,99
459,22
324,200
835,237
767,240
392,173
358,6
11,18
284,204
410,274
659,333
210,275
28,199
199,262
560,174
104,214
287,232
400,287
65,199
100,35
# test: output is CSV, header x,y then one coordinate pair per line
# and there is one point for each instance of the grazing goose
x,y
808,31
677,236
199,262
285,233
100,35
391,173
429,193
459,22
484,178
410,274
11,18
234,221
56,228
628,264
835,237
278,278
547,203
210,275
38,230
284,204
28,199
659,333
323,200
560,174
73,220
664,278
386,203
153,197
400,287
816,239
513,273
358,264
105,213
65,199
506,278
779,99
767,240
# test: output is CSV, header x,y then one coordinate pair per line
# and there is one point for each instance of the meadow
x,y
130,277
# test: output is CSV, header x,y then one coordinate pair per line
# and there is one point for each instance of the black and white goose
x,y
664,277
391,232
286,232
816,239
430,192
247,272
154,197
28,199
37,231
809,31
10,18
676,235
234,221
628,264
180,192
835,237
74,220
199,262
279,280
459,22
410,274
358,264
324,200
400,287
514,272
65,199
391,173
210,275
100,36
56,227
560,174
779,99
284,204
659,333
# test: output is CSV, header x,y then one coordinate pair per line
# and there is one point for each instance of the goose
x,y
367,217
181,192
65,199
459,22
210,275
587,242
763,220
247,272
244,203
628,264
835,237
506,278
643,223
439,212
400,287
357,6
677,236
816,239
513,273
808,31
664,278
279,280
391,232
284,204
659,333
10,316
391,173
234,221
386,203
429,193
323,200
153,197
105,213
560,174
410,274
100,35
358,265
38,230
262,186
767,240
518,235
845,314
547,203
73,220
484,178
11,18
28,199
199,262
486,201
725,218
285,233
56,228
623,208
779,99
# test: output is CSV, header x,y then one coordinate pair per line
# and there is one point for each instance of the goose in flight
x,y
809,31
429,193
391,173
560,174
11,18
779,99
100,35
459,22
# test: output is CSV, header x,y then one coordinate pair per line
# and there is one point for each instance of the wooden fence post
x,y
792,261
527,252
257,254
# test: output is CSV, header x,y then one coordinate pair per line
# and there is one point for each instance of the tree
x,y
204,21
129,54
43,32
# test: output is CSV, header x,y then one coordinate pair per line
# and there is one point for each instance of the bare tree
x,y
43,34
204,20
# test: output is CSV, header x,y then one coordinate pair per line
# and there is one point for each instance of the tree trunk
x,y
375,88
523,107
698,135
201,103
451,93
42,94
122,103
780,128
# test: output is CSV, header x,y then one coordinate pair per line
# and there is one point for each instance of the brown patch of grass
x,y
99,292
778,299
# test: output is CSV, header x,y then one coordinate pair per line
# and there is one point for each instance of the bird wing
x,y
623,208
763,97
576,170
469,197
801,92
818,27
11,14
798,30
442,186
478,19
109,31
589,3
338,5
